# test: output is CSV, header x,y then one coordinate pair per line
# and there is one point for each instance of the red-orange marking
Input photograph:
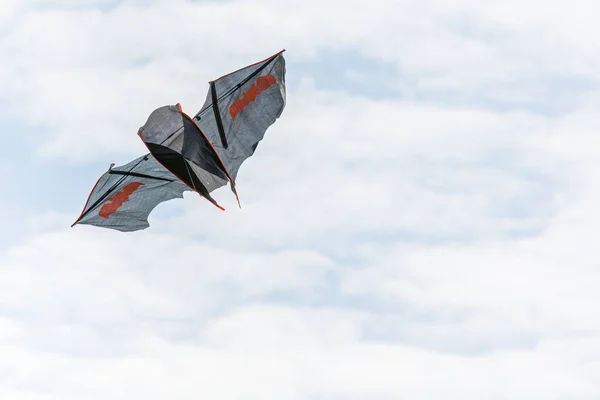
x,y
261,84
115,202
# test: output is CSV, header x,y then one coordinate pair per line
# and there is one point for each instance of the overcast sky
x,y
421,222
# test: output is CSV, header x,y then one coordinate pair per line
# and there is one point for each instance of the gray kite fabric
x,y
249,102
200,154
175,140
124,196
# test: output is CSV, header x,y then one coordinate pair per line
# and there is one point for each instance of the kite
x,y
199,153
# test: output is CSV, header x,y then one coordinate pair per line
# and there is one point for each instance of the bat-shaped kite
x,y
200,153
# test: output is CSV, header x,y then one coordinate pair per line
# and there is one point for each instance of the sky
x,y
421,222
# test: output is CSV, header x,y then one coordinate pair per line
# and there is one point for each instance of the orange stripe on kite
x,y
118,199
250,95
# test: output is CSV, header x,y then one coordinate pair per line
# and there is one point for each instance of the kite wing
x,y
124,196
240,107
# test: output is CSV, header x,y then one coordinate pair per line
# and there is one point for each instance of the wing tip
x,y
250,65
90,195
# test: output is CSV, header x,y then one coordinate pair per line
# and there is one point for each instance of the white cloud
x,y
90,77
150,313
440,244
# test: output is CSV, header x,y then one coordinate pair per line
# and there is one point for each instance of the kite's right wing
x,y
240,107
123,197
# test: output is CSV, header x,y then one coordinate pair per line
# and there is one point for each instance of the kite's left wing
x,y
124,196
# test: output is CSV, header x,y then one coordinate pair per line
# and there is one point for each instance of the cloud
x,y
419,223
94,346
163,311
93,74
